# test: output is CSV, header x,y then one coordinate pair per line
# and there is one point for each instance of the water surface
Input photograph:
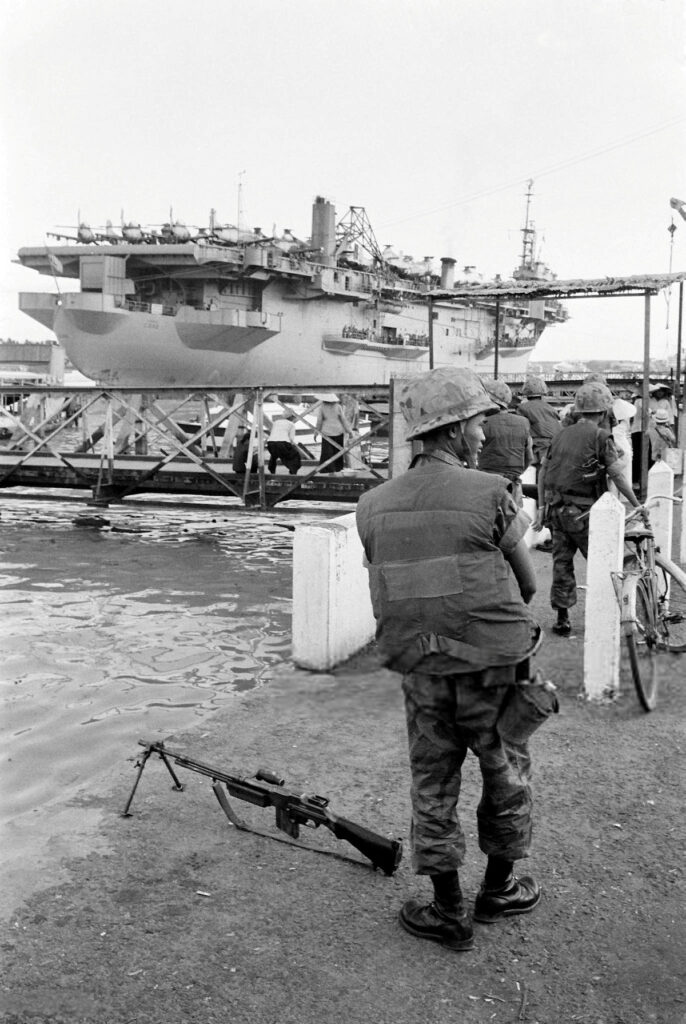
x,y
138,626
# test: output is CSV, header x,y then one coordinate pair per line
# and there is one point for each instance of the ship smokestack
x,y
324,230
447,272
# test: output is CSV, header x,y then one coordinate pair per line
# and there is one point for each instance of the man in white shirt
x,y
281,444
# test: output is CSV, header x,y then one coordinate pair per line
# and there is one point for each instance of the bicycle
x,y
651,591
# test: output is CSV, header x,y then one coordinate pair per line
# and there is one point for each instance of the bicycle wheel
x,y
642,644
671,596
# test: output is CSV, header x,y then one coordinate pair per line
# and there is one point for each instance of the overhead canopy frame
x,y
646,285
594,287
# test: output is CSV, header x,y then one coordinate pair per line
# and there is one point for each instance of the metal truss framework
x,y
133,440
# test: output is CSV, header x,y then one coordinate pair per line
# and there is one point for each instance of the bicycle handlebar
x,y
650,501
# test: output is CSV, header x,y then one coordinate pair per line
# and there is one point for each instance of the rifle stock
x,y
383,853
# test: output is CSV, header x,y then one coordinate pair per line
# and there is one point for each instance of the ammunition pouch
x,y
526,708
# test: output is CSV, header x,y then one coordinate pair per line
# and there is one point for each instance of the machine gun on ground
x,y
292,810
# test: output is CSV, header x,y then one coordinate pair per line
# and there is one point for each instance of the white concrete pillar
x,y
602,617
661,481
399,449
332,609
532,538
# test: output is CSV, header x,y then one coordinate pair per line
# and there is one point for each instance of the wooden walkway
x,y
125,441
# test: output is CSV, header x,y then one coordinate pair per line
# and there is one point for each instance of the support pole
x,y
431,332
259,414
109,439
496,348
645,397
679,390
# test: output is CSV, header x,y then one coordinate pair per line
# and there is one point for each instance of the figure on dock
x,y
281,444
544,423
451,577
660,434
573,475
333,426
507,448
240,454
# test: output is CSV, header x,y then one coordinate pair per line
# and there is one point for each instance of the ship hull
x,y
302,346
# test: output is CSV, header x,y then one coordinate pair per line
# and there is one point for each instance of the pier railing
x,y
119,442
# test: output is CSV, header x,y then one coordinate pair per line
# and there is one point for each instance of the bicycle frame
x,y
644,607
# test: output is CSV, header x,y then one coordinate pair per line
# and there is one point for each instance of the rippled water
x,y
138,626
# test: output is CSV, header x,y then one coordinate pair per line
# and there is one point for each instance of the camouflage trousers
x,y
446,717
569,535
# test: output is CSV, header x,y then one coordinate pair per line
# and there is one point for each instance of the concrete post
x,y
399,450
332,609
602,618
531,538
661,481
682,534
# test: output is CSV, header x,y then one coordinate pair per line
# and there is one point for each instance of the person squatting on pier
x,y
507,448
281,444
572,477
450,577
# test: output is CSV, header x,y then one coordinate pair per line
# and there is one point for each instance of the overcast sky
x,y
432,114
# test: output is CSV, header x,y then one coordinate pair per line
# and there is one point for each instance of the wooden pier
x,y
119,442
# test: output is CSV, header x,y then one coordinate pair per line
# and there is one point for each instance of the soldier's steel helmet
x,y
534,387
593,397
498,390
445,395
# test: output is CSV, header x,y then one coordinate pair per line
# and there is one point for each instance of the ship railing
x,y
158,308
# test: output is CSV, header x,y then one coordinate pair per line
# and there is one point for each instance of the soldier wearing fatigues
x,y
450,577
573,475
507,448
447,716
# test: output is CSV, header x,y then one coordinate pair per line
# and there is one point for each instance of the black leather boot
x,y
444,920
515,896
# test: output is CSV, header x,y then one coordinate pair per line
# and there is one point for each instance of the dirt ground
x,y
174,917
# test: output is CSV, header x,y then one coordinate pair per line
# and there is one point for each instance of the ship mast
x,y
528,233
238,204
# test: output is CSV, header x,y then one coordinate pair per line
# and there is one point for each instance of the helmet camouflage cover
x,y
593,397
534,386
498,390
442,396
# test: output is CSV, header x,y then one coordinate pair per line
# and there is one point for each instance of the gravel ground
x,y
174,917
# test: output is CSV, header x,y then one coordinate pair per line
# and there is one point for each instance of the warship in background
x,y
228,307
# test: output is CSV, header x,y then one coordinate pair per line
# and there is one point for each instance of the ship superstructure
x,y
235,307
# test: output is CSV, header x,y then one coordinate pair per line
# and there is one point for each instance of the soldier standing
x,y
573,475
543,420
507,448
450,578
